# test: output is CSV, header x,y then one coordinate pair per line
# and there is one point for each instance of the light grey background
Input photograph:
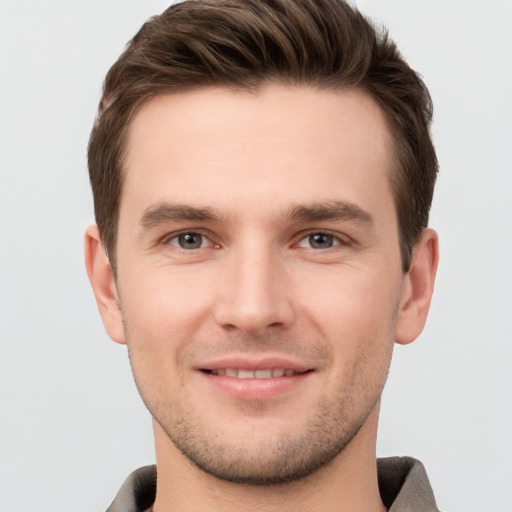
x,y
71,423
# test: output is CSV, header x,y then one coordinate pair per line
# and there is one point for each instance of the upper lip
x,y
254,363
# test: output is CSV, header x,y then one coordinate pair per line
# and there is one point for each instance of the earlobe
x,y
418,288
103,284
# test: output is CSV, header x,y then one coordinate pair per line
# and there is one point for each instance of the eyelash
x,y
337,240
176,236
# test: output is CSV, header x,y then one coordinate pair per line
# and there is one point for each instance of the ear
x,y
103,284
418,288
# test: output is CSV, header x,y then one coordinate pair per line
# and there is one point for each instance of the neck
x,y
348,483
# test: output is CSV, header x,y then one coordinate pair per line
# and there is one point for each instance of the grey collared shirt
x,y
403,485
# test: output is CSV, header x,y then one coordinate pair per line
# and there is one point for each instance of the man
x,y
262,175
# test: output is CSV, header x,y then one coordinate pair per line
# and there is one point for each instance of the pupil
x,y
320,241
190,241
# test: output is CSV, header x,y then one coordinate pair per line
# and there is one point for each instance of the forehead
x,y
280,144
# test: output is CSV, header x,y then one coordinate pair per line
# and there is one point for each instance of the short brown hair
x,y
245,43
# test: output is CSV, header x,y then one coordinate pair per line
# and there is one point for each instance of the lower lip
x,y
255,389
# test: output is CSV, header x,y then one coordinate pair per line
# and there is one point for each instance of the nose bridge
x,y
253,294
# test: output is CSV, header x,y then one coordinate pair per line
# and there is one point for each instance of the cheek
x,y
361,341
355,312
164,302
359,299
164,312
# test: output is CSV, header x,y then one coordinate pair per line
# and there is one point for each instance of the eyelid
x,y
165,240
341,239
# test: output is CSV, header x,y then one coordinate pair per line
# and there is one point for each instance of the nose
x,y
254,292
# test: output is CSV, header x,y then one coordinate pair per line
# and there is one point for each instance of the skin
x,y
282,201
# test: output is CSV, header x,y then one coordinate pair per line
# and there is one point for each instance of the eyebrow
x,y
166,212
331,210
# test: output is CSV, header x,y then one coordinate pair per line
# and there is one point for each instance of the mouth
x,y
266,373
258,380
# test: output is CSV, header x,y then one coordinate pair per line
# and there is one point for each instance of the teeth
x,y
253,374
262,374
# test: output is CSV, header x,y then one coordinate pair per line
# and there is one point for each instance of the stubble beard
x,y
295,455
293,458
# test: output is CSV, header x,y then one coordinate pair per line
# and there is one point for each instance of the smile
x,y
268,373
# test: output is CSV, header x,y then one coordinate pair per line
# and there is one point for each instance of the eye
x,y
189,241
319,241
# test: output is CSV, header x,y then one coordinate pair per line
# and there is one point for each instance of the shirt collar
x,y
403,485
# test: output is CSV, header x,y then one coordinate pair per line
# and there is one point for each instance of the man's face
x,y
259,273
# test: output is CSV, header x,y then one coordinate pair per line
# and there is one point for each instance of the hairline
x,y
391,141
